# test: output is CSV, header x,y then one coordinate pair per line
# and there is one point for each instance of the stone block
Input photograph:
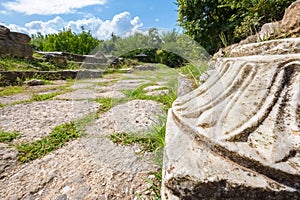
x,y
237,136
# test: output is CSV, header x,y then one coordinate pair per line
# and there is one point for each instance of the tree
x,y
66,41
206,20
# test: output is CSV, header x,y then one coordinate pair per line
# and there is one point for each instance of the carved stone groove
x,y
238,134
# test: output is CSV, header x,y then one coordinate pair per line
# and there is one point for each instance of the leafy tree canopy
x,y
66,41
211,21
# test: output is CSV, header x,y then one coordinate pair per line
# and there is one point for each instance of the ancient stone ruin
x,y
14,44
237,136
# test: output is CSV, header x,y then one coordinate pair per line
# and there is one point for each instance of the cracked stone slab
x,y
36,120
157,92
79,94
133,116
91,167
110,94
14,98
129,84
73,172
8,157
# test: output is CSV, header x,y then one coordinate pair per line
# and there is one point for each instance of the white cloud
x,y
122,24
3,12
51,26
49,7
91,24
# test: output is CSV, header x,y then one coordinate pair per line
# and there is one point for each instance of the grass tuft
x,y
55,140
8,136
43,97
10,90
193,72
105,104
154,185
152,141
139,93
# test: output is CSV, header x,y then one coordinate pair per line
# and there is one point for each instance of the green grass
x,y
105,104
36,64
8,136
151,141
20,64
43,97
85,121
108,83
193,72
55,140
139,93
154,185
10,90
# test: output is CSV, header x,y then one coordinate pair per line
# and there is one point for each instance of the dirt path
x,y
92,166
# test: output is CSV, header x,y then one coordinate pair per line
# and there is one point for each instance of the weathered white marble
x,y
238,134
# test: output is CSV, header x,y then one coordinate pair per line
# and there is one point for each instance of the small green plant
x,y
154,185
105,104
55,140
8,136
223,39
193,72
139,93
152,141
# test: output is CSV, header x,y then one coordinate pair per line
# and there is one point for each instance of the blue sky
x,y
102,17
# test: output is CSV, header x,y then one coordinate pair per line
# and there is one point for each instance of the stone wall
x,y
14,77
14,44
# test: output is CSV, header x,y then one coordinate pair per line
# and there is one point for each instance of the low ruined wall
x,y
14,77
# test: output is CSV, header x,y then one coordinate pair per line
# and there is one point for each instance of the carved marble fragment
x,y
238,134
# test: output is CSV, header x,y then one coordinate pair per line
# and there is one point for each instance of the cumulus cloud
x,y
122,24
51,26
49,7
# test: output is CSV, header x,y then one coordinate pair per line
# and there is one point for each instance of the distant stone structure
x,y
89,61
14,44
237,136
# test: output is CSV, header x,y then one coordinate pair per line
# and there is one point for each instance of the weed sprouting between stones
x,y
55,140
193,72
139,93
151,141
8,136
43,97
